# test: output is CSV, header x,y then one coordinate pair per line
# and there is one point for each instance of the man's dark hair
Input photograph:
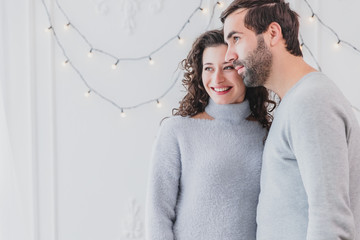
x,y
261,13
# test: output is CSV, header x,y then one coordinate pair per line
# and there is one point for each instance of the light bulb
x,y
87,94
204,10
337,45
115,65
312,18
181,40
90,54
67,26
65,62
48,29
123,114
151,61
158,104
220,4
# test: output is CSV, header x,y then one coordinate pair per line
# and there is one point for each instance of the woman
x,y
205,169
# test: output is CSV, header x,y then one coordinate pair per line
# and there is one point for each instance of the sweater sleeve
x,y
163,185
319,141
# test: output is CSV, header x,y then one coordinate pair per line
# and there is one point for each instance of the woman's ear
x,y
275,34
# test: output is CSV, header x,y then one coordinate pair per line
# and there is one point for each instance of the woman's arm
x,y
163,185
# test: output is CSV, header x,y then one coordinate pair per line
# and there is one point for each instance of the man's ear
x,y
275,34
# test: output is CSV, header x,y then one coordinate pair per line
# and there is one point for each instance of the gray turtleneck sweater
x,y
204,176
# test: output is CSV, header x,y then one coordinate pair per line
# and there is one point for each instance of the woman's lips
x,y
221,90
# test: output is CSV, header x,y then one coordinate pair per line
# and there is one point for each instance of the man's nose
x,y
230,55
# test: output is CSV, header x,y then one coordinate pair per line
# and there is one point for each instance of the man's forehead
x,y
236,16
239,12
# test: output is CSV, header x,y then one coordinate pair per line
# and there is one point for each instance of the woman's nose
x,y
218,77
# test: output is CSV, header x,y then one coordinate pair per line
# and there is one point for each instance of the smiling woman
x,y
207,158
221,82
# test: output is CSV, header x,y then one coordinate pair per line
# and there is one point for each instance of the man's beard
x,y
257,65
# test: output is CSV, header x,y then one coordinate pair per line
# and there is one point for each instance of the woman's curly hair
x,y
197,98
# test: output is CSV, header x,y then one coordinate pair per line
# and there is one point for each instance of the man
x,y
310,179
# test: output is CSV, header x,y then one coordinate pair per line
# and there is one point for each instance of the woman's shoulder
x,y
172,122
176,123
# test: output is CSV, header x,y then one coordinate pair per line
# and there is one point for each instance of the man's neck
x,y
286,71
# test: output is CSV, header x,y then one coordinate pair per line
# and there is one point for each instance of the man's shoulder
x,y
316,88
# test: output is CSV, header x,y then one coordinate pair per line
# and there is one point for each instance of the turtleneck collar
x,y
236,112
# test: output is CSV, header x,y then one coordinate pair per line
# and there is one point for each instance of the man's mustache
x,y
238,63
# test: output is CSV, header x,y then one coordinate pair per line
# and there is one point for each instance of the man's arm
x,y
319,142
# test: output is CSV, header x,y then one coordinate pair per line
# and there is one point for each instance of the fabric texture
x,y
310,179
204,178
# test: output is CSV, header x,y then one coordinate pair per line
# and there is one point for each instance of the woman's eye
x,y
208,69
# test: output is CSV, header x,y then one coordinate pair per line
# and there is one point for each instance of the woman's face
x,y
220,79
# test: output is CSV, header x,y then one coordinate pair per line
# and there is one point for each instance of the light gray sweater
x,y
310,179
204,180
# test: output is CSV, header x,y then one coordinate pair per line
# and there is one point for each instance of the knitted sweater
x,y
310,179
204,176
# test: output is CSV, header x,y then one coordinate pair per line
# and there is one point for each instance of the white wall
x,y
81,168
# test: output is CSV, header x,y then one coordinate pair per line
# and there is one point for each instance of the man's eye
x,y
228,67
236,39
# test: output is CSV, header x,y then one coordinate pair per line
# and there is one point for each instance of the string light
x,y
92,49
158,103
203,10
48,29
312,18
181,40
220,4
87,94
65,62
123,114
114,66
67,26
151,61
337,44
90,54
330,29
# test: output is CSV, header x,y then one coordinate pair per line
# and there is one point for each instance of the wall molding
x,y
133,225
129,10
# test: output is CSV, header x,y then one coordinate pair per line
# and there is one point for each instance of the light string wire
x,y
313,14
92,90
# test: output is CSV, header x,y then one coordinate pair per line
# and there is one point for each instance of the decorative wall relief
x,y
100,7
128,10
133,225
155,6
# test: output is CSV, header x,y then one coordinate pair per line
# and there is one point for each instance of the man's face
x,y
247,51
